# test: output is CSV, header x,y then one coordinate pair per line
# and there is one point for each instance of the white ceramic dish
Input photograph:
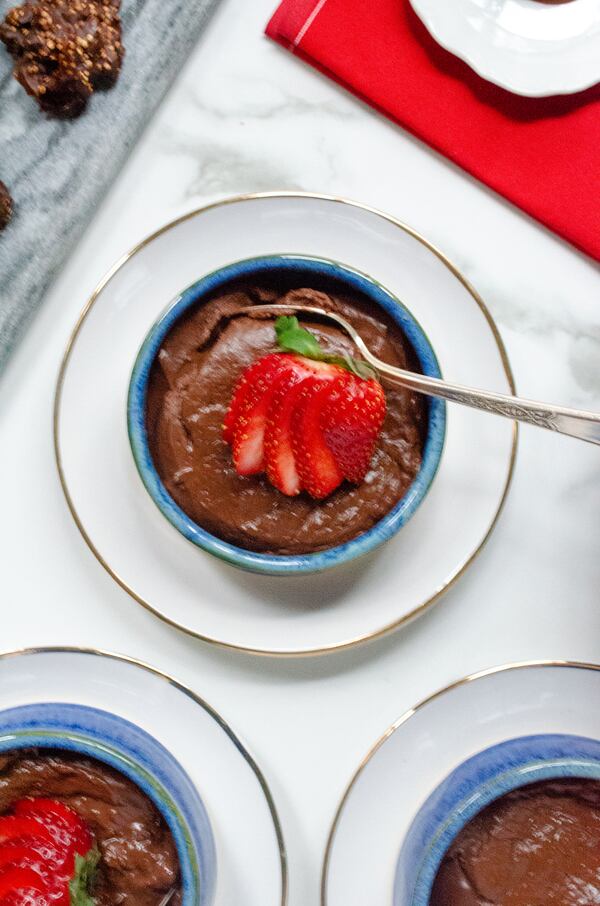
x,y
419,751
250,853
168,574
530,48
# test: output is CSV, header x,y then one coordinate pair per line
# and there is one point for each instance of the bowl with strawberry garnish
x,y
262,437
96,812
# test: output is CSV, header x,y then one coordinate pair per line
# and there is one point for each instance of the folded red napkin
x,y
543,154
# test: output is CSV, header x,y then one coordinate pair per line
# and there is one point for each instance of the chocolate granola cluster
x,y
64,50
5,205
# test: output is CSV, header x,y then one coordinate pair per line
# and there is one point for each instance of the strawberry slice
x,y
22,827
50,841
25,857
279,455
252,411
319,472
249,429
36,850
351,422
20,856
28,897
66,826
307,417
18,884
248,389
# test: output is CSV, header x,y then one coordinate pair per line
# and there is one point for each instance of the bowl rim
x,y
61,726
282,564
530,767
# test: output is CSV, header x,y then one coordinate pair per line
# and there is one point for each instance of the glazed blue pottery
x,y
474,785
310,272
130,750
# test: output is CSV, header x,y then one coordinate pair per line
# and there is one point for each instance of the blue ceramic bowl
x,y
296,270
130,750
474,785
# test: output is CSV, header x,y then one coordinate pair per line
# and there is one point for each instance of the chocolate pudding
x,y
139,863
536,846
190,388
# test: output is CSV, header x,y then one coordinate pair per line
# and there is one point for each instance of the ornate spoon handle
x,y
574,422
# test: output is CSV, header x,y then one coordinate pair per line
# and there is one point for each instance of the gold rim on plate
x,y
337,646
97,652
481,674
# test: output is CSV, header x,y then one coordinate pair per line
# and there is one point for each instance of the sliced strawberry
x,y
279,455
28,897
25,857
21,827
318,470
22,882
249,430
351,422
21,856
51,840
247,388
308,423
64,823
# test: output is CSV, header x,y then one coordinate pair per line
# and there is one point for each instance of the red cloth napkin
x,y
543,154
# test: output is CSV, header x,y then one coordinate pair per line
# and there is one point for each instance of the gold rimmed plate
x,y
172,578
423,746
251,865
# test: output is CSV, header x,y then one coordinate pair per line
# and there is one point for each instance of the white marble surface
x,y
246,116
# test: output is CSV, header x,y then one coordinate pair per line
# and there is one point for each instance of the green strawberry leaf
x,y
82,880
293,338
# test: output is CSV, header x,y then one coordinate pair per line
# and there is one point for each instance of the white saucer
x,y
187,587
528,47
251,860
425,744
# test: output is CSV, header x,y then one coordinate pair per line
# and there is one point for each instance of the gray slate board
x,y
58,171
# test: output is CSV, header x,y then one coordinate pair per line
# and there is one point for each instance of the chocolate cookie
x,y
64,50
5,205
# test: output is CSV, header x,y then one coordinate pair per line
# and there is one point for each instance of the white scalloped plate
x,y
526,46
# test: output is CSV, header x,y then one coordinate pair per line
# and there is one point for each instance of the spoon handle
x,y
574,422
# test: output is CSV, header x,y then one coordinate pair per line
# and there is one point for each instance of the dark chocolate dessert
x,y
138,861
536,846
191,386
64,50
5,206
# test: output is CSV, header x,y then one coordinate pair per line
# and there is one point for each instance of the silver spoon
x,y
574,422
168,897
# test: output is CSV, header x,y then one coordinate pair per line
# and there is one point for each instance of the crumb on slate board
x,y
64,50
